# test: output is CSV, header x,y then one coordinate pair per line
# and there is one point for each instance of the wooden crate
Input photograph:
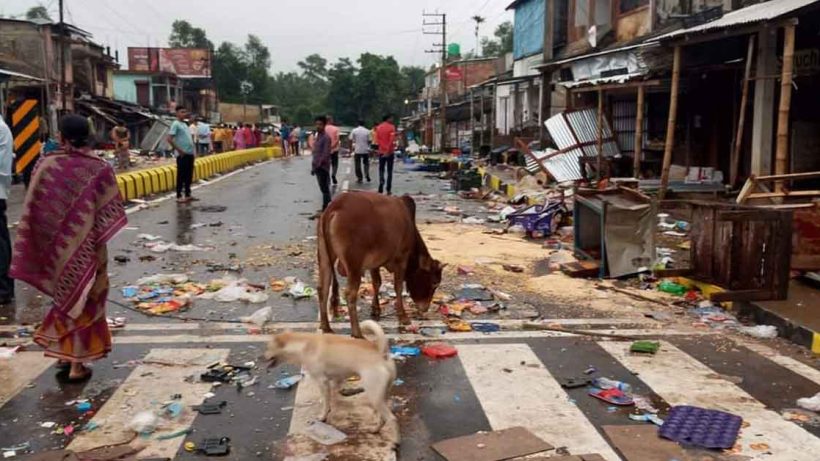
x,y
743,249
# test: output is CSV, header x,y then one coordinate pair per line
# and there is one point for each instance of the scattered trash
x,y
48,425
260,317
6,353
647,417
512,443
760,331
173,410
91,426
590,370
513,268
474,292
216,446
143,423
210,408
173,435
810,403
645,347
287,382
350,391
671,287
325,433
644,404
458,325
298,290
398,382
83,407
439,350
115,322
432,332
405,351
575,383
611,396
606,383
232,290
798,415
473,220
485,327
122,259
160,279
465,270
10,452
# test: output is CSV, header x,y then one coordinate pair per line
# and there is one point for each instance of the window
x,y
625,6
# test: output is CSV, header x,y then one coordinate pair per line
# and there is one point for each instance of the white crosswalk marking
x,y
162,374
19,371
528,397
682,380
800,368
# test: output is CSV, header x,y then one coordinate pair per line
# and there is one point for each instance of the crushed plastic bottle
x,y
325,433
672,287
606,383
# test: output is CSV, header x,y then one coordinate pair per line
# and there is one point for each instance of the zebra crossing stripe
x,y
795,366
682,380
17,372
529,397
163,373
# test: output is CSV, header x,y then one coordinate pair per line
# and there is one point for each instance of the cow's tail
x,y
325,259
373,332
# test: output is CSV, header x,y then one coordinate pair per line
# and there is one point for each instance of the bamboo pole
x,y
636,167
744,97
600,133
670,125
781,165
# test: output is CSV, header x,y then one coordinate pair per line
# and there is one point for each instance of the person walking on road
x,y
320,166
295,134
6,161
179,138
285,132
204,144
333,131
361,150
122,142
71,211
385,139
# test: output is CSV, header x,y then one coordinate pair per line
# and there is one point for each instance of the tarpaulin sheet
x,y
528,29
629,235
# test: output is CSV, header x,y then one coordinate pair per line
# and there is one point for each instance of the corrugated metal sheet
x,y
760,12
577,134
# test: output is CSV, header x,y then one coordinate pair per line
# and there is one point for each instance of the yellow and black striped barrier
x,y
142,183
25,128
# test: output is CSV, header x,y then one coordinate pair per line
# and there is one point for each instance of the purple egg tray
x,y
701,427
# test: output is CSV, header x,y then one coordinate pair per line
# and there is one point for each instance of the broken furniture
x,y
744,250
615,227
805,204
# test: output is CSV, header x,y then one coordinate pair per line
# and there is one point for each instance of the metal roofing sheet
x,y
759,12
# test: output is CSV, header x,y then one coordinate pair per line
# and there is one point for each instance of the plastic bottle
x,y
606,383
672,287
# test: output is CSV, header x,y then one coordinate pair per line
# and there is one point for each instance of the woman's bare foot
x,y
78,372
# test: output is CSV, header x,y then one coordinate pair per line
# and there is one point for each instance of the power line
x,y
439,21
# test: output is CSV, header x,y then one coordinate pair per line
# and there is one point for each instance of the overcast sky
x,y
292,29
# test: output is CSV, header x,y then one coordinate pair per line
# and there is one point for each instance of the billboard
x,y
184,62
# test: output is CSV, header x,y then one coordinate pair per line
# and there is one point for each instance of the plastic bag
x,y
325,433
260,317
810,403
144,422
761,331
299,290
159,279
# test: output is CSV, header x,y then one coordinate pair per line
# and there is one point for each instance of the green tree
x,y
501,44
184,35
314,67
229,70
38,12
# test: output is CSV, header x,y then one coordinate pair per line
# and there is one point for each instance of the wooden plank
x,y
744,97
781,158
784,193
747,189
638,153
782,254
642,443
790,176
671,123
753,214
579,269
491,446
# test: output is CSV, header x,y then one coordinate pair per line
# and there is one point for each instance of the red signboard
x,y
454,73
184,62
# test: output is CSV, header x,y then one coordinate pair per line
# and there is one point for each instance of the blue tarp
x,y
528,29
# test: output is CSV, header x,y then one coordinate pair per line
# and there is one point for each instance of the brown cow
x,y
364,231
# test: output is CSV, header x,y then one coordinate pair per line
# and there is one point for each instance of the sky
x,y
292,29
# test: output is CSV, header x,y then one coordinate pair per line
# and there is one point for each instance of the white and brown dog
x,y
331,359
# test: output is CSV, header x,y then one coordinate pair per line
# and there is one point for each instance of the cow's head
x,y
423,282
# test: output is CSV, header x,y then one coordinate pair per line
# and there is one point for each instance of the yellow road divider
x,y
160,179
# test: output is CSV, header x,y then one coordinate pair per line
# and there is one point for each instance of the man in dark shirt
x,y
321,159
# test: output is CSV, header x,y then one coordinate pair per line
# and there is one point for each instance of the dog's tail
x,y
373,332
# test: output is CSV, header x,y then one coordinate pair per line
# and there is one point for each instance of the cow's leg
x,y
354,281
334,296
398,281
376,308
325,280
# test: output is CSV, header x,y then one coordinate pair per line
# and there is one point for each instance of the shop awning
x,y
8,75
750,15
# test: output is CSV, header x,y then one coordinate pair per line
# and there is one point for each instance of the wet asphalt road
x,y
265,227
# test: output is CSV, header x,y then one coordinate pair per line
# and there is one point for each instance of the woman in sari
x,y
72,209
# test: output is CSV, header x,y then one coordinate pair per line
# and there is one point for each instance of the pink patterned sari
x,y
73,208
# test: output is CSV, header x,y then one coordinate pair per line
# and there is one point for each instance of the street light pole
x,y
62,58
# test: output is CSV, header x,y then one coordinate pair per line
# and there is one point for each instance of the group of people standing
x,y
326,145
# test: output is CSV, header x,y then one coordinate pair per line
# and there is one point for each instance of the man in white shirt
x,y
361,150
6,160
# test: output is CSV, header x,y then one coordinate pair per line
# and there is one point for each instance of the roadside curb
x,y
786,329
497,184
143,183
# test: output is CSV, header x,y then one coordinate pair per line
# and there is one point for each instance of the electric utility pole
x,y
63,41
440,28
